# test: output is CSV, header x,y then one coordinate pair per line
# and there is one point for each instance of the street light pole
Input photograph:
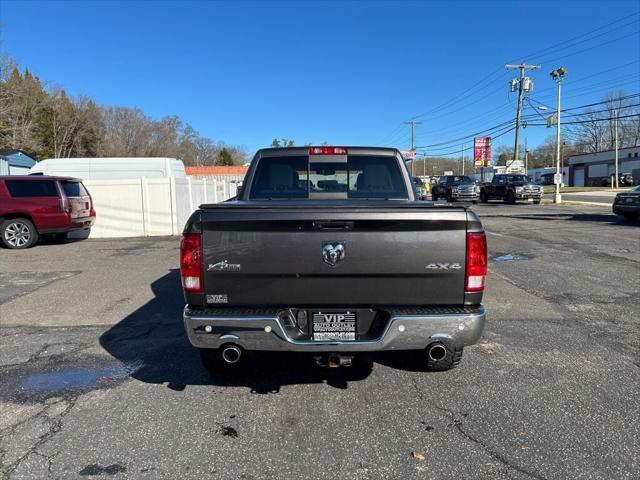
x,y
615,127
558,74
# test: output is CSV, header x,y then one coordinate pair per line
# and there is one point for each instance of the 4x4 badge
x,y
443,266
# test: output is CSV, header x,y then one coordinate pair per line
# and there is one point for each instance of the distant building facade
x,y
595,169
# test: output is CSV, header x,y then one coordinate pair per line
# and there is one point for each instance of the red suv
x,y
31,206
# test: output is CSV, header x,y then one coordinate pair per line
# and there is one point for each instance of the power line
x,y
593,47
608,119
566,46
466,138
455,152
551,47
460,96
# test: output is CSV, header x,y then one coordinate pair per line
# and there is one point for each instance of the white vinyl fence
x,y
151,206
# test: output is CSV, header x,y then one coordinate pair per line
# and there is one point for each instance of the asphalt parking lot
x,y
97,378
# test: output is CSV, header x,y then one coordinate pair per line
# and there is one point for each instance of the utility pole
x,y
462,157
615,127
524,86
413,124
558,75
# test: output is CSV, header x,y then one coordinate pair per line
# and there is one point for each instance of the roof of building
x,y
18,158
217,170
602,156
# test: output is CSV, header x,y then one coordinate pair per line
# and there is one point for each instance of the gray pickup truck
x,y
326,250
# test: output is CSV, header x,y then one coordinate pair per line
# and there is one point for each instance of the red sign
x,y
482,151
408,154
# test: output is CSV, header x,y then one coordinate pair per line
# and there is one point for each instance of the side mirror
x,y
239,191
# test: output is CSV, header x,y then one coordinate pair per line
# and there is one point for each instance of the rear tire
x,y
450,360
18,233
631,217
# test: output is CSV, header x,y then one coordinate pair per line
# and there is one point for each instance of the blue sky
x,y
342,72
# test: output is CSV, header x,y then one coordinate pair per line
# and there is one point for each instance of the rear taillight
x,y
191,262
327,151
476,272
65,206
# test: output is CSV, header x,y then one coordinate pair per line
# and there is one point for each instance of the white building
x,y
596,169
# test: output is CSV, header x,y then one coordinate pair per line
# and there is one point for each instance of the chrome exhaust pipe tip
x,y
437,352
231,354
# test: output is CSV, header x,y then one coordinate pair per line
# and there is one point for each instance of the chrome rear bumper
x,y
406,330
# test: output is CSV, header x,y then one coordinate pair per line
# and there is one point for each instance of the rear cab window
x,y
329,177
31,188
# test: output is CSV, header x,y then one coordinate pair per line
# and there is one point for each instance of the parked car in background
x,y
627,204
421,189
510,188
456,187
34,206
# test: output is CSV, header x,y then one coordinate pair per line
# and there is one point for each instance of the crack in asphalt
x,y
38,354
457,422
55,426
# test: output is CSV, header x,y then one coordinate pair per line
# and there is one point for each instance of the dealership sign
x,y
481,151
408,154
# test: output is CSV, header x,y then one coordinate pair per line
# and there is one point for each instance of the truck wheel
x,y
441,356
483,196
18,233
536,202
226,358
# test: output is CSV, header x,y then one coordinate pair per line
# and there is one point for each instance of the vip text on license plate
x,y
334,326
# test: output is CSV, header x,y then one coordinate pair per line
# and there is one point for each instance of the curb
x,y
576,202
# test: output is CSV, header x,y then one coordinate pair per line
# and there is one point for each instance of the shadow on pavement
x,y
153,338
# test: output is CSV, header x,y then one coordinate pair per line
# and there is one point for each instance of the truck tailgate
x,y
392,256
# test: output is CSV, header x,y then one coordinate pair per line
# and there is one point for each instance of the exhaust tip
x,y
437,352
231,354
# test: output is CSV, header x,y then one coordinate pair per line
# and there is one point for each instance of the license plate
x,y
334,326
628,200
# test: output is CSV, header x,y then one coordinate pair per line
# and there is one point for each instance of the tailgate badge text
x,y
224,266
443,266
